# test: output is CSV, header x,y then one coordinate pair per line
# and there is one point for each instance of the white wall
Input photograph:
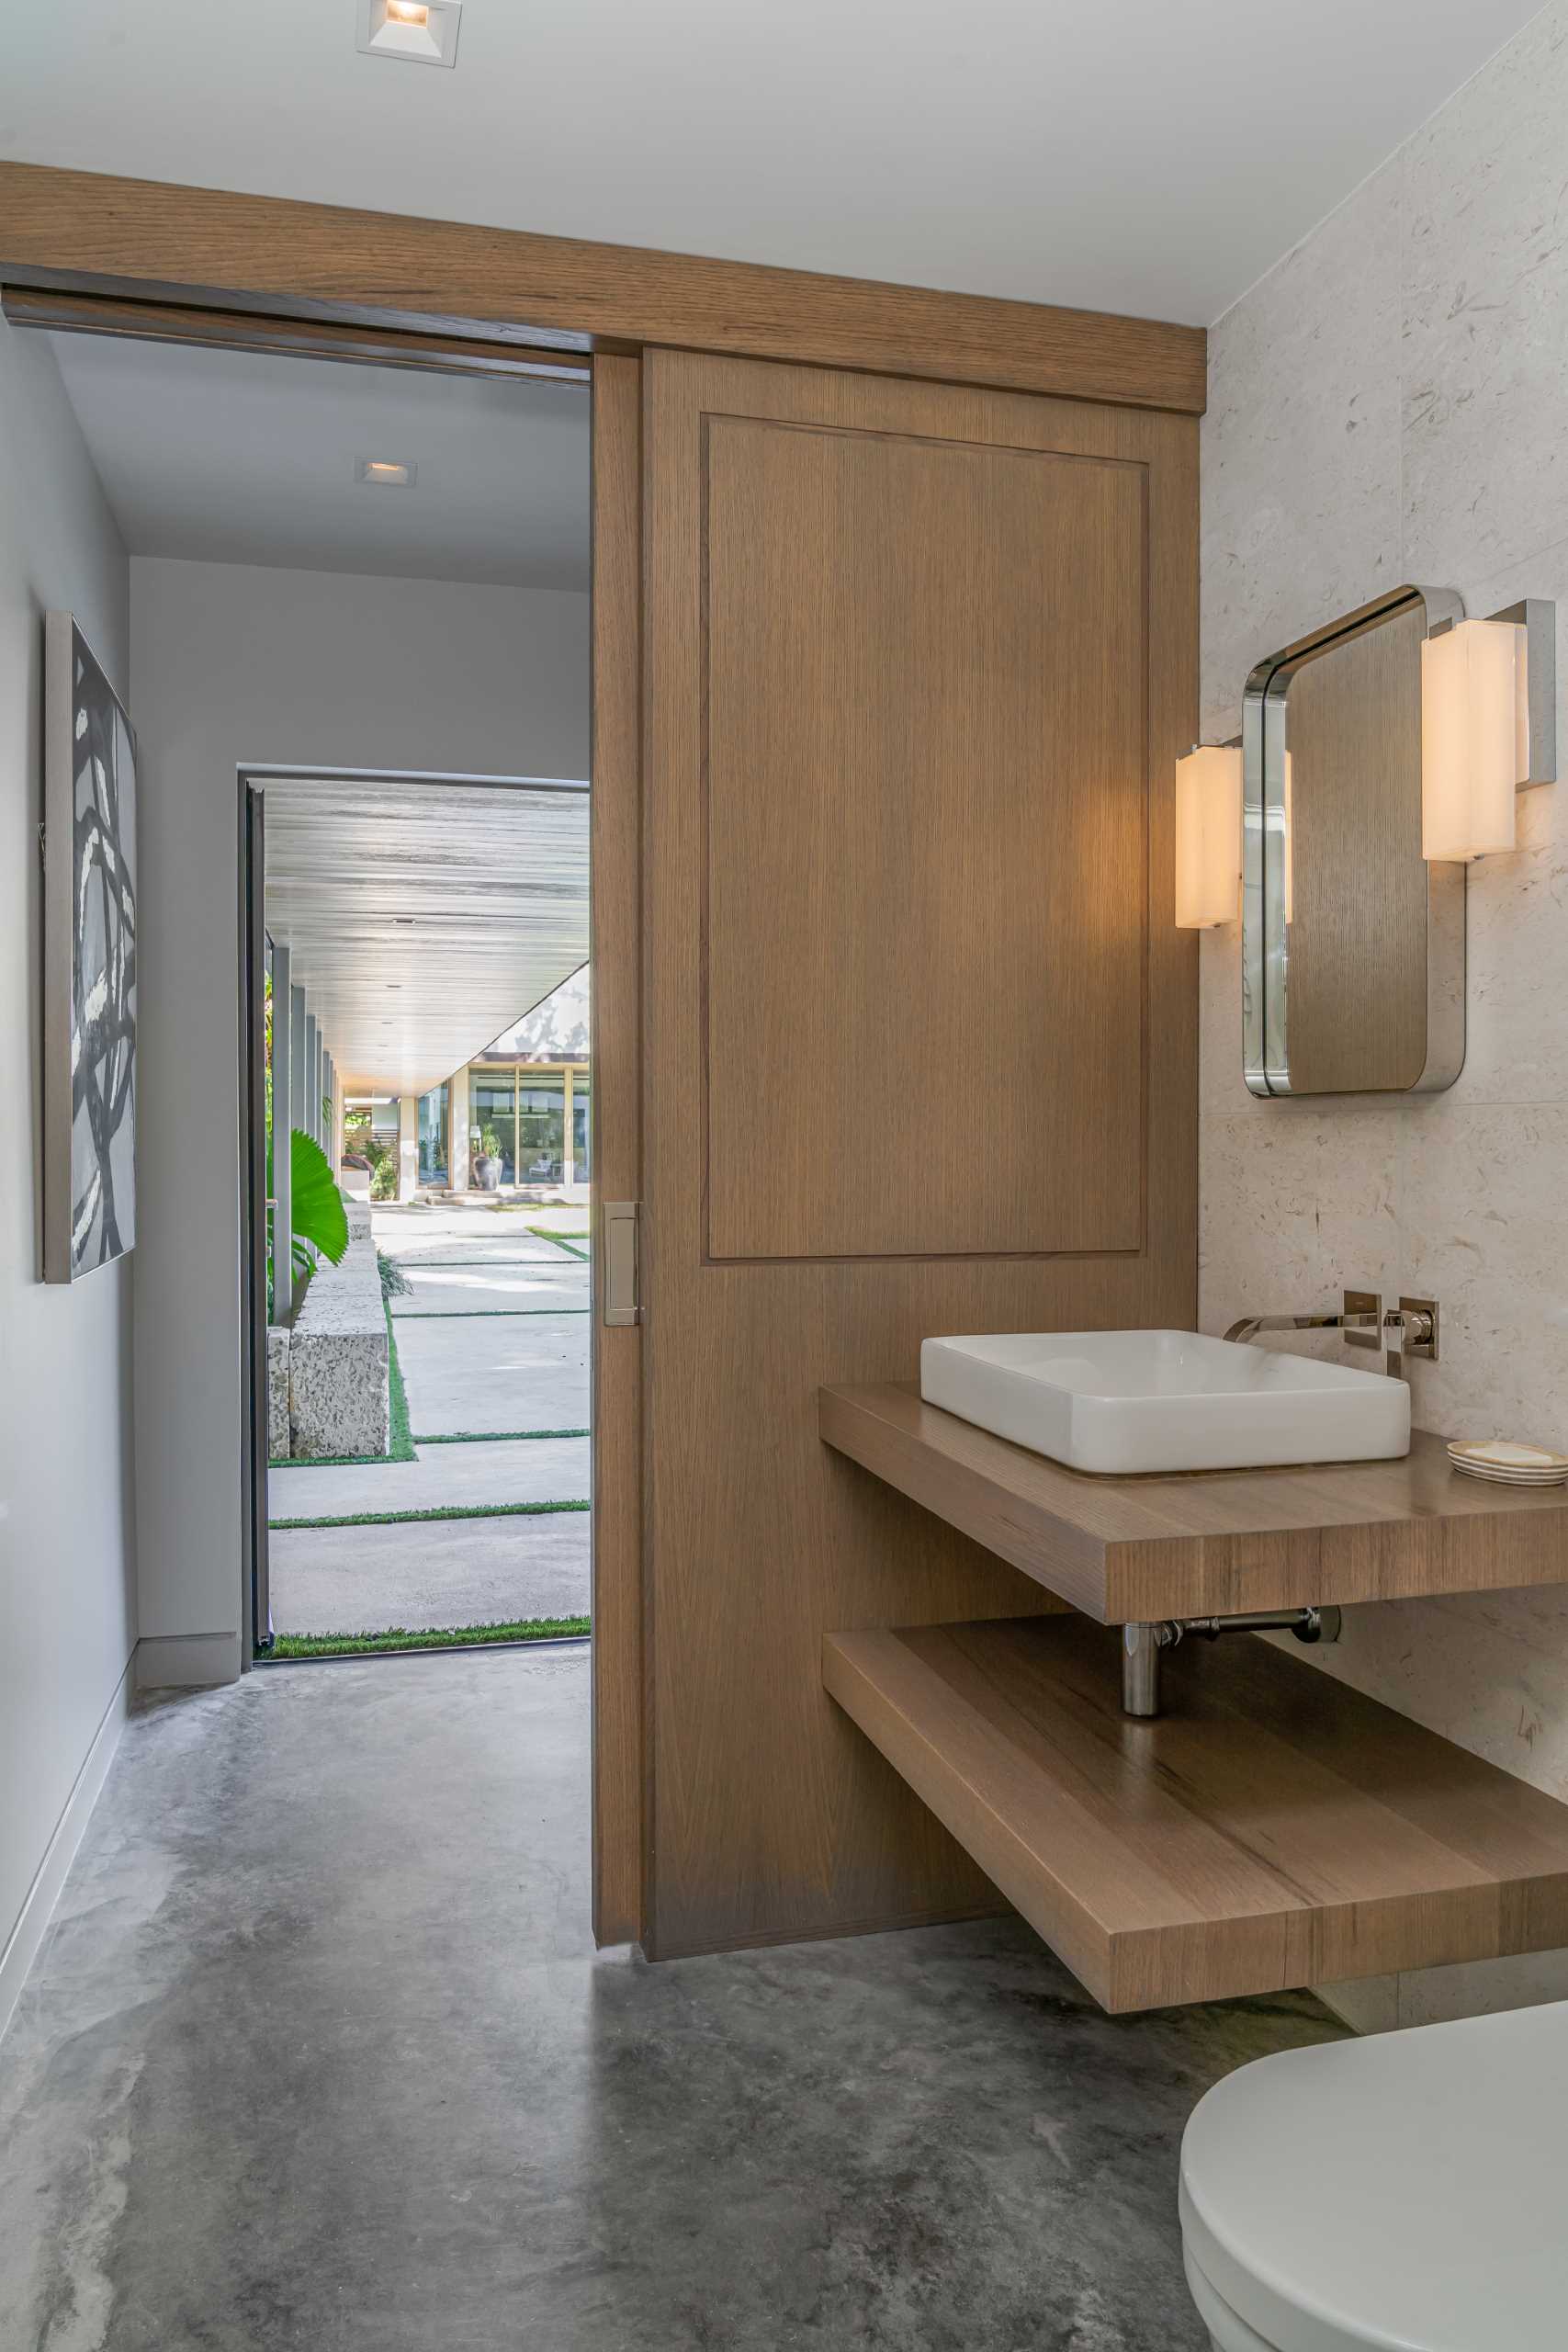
x,y
1389,404
66,1563
237,665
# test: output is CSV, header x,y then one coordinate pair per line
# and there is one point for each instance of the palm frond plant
x,y
321,1221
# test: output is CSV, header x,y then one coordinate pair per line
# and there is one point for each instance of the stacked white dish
x,y
1509,1463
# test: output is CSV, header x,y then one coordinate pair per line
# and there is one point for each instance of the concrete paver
x,y
528,1471
495,1372
468,1290
446,1572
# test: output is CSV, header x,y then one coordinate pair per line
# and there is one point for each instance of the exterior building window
x,y
541,1129
493,1112
528,1123
433,1130
581,1170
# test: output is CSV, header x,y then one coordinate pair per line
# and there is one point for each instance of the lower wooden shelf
x,y
1271,1829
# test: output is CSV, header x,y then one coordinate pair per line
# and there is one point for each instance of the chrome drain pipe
x,y
1144,1646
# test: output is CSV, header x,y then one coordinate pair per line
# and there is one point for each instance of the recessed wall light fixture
x,y
390,473
420,33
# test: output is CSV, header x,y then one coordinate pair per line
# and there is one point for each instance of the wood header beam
x,y
93,233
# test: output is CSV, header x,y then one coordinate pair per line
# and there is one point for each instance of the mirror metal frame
x,y
1265,967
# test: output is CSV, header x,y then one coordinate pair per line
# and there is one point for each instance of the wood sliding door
x,y
919,1039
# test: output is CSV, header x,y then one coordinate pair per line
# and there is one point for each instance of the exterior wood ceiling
x,y
424,919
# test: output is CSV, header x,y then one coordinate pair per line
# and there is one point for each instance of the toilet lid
x,y
1407,2192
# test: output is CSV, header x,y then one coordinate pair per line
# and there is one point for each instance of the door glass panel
x,y
433,1137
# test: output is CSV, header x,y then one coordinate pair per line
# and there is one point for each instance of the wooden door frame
x,y
615,866
208,266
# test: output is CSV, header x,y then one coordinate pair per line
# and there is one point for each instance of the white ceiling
x,y
423,920
1150,156
235,457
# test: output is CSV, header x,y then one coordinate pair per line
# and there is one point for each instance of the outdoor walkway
x,y
492,1341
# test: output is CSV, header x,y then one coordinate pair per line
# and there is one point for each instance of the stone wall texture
x,y
1388,404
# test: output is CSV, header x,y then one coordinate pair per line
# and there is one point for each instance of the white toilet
x,y
1407,2193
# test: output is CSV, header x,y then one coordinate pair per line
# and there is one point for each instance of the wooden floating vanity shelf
x,y
1126,1550
1272,1827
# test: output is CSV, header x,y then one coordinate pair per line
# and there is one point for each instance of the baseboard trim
x,y
185,1661
31,1926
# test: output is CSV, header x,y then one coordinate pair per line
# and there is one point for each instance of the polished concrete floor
x,y
319,2054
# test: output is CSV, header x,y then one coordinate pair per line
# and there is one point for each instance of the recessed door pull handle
x,y
622,1298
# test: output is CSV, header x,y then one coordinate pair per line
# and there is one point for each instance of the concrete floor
x,y
318,2056
446,1572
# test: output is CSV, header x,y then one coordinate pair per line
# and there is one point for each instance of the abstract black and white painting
x,y
89,961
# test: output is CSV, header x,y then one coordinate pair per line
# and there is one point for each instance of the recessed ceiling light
x,y
422,32
392,473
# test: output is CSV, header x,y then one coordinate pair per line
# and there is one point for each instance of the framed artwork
x,y
89,934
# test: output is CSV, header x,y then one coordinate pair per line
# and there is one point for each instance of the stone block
x,y
277,1439
339,1372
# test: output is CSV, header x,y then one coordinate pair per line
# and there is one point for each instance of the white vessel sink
x,y
1126,1401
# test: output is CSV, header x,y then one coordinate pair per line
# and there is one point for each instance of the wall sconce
x,y
1208,836
1488,727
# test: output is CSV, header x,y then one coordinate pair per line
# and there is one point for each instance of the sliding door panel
x,y
919,1039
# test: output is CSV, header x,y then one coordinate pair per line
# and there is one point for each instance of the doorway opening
x,y
363,589
418,1243
366,554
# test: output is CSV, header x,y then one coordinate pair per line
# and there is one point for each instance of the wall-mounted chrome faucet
x,y
1409,1329
1361,1321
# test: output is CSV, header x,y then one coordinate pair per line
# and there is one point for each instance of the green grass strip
x,y
401,1444
562,1240
495,1437
397,1396
440,1511
434,1637
467,1314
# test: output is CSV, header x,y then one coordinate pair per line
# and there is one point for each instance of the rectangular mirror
x,y
1353,945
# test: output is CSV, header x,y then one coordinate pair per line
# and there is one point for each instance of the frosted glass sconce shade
x,y
1475,738
1208,837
